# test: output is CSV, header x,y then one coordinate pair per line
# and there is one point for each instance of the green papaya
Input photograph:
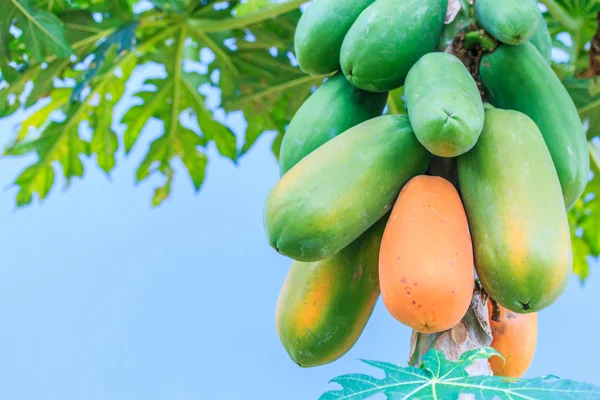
x,y
519,78
338,191
516,215
324,306
388,38
510,21
542,40
321,31
444,105
334,108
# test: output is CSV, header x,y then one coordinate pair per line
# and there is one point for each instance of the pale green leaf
x,y
395,101
171,5
439,378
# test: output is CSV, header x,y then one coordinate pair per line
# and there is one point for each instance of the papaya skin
x,y
510,21
334,108
338,191
388,38
444,105
519,78
324,306
426,267
515,337
517,219
542,40
321,31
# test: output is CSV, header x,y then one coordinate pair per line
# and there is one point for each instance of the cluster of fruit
x,y
359,206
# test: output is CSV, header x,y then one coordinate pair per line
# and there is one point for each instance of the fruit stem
x,y
573,24
481,38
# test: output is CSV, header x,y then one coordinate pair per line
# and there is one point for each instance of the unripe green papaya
x,y
510,21
338,191
542,40
519,78
321,31
324,306
388,38
516,214
334,108
444,105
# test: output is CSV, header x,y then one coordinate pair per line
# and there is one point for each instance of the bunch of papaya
x,y
468,185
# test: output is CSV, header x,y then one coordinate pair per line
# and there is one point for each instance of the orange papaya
x,y
515,337
325,305
426,266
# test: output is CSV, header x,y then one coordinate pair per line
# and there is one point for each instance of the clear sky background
x,y
104,298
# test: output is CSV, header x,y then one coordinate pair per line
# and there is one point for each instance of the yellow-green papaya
x,y
519,78
334,108
388,38
516,213
338,191
321,31
324,306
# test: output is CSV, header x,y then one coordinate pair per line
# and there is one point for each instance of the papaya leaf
x,y
586,95
584,221
43,32
171,5
167,101
123,39
395,101
439,378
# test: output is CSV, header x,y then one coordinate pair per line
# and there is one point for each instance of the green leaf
x,y
7,14
43,32
122,39
395,101
438,378
584,221
586,95
167,101
171,5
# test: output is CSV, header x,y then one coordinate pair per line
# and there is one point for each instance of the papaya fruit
x,y
426,268
510,21
334,108
542,40
342,188
515,337
324,306
516,215
444,105
519,78
321,31
388,38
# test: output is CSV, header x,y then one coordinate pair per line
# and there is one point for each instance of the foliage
x,y
70,60
439,378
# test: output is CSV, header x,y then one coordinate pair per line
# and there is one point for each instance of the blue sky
x,y
103,297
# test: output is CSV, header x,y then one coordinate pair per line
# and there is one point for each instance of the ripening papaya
x,y
426,268
516,214
515,337
388,38
510,21
334,108
342,188
542,40
321,31
324,306
444,105
519,78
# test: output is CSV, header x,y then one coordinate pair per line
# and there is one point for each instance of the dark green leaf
x,y
43,32
586,95
439,378
122,39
